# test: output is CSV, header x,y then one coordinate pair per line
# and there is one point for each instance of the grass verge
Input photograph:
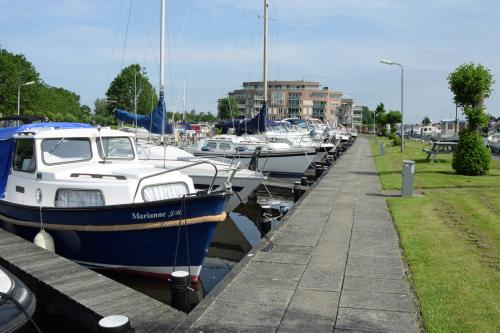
x,y
451,241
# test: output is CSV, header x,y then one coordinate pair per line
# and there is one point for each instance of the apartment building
x,y
349,113
286,99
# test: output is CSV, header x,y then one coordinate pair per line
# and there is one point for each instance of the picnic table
x,y
440,147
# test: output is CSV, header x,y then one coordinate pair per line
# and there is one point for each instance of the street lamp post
x,y
19,95
388,62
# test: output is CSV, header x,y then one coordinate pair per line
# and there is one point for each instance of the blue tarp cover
x,y
151,122
256,124
7,145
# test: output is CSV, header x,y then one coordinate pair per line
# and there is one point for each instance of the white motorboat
x,y
275,158
243,181
104,208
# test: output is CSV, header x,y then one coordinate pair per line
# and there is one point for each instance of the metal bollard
x,y
408,172
318,172
303,181
382,149
180,288
265,223
297,191
115,324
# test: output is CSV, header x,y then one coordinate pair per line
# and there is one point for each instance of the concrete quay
x,y
335,265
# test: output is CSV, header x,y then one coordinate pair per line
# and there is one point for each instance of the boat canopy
x,y
256,124
7,145
152,122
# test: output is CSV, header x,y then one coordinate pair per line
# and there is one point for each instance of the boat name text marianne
x,y
142,216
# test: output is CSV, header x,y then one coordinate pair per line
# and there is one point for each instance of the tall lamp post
x,y
388,62
19,94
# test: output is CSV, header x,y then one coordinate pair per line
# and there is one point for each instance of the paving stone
x,y
273,275
248,314
234,293
376,301
214,327
282,258
368,245
301,325
314,304
304,250
319,277
297,238
376,285
372,266
375,320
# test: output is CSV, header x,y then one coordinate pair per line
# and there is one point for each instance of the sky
x,y
215,45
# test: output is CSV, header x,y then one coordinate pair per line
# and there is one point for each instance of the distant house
x,y
448,127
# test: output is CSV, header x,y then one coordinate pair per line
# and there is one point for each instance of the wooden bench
x,y
439,148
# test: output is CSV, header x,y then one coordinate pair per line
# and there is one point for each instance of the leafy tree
x,y
426,121
227,108
471,84
367,115
41,99
131,83
15,70
380,119
57,104
392,118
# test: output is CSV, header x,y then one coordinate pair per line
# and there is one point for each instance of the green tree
x,y
393,118
426,121
15,70
40,99
227,108
380,117
367,116
131,83
471,84
57,104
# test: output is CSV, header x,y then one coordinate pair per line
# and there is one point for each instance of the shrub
x,y
396,141
391,136
471,157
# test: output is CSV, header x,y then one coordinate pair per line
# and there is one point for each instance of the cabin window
x,y
224,146
78,198
66,150
24,156
116,148
210,146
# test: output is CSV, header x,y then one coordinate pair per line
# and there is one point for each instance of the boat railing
x,y
209,190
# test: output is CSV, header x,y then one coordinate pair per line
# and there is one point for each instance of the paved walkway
x,y
335,265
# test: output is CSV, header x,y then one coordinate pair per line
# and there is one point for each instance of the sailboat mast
x,y
264,83
184,102
162,69
162,47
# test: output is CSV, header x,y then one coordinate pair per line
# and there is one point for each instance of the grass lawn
x,y
427,175
451,240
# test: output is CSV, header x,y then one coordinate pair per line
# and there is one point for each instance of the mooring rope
x,y
118,227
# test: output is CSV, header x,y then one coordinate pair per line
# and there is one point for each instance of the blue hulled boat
x,y
103,207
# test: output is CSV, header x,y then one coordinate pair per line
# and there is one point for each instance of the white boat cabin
x,y
83,167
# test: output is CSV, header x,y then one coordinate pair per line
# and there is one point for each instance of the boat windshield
x,y
65,150
119,148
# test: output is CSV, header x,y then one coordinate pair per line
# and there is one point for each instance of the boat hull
x,y
240,185
287,164
152,238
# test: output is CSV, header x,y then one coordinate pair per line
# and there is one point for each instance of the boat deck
x,y
335,265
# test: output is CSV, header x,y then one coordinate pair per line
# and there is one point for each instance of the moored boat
x,y
103,207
